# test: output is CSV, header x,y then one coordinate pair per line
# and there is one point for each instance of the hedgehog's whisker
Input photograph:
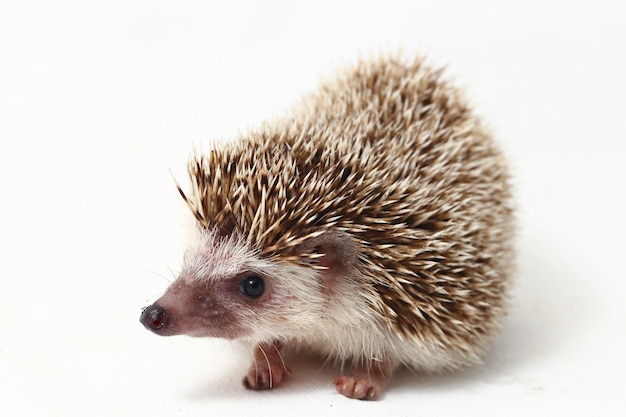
x,y
169,281
280,356
153,297
167,266
269,365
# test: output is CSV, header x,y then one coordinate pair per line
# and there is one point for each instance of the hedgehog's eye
x,y
252,286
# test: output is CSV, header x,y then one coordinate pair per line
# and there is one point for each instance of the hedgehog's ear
x,y
336,250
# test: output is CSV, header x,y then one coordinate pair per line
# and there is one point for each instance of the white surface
x,y
99,100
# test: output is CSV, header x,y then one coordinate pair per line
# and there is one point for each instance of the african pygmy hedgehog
x,y
372,226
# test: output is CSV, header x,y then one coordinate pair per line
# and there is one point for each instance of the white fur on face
x,y
293,300
216,258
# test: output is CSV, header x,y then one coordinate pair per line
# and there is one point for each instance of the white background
x,y
100,100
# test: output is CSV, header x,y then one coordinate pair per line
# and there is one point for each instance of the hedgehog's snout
x,y
154,318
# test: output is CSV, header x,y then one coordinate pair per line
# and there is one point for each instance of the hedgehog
x,y
372,226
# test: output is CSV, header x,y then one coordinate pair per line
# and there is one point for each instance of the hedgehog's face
x,y
227,290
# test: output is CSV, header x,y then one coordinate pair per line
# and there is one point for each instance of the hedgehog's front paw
x,y
268,369
357,387
264,376
367,383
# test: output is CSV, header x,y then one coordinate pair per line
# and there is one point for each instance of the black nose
x,y
153,318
